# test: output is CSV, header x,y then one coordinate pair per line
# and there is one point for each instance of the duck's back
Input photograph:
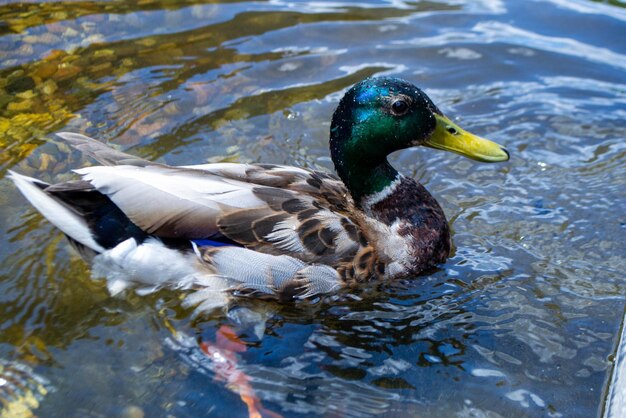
x,y
220,219
269,208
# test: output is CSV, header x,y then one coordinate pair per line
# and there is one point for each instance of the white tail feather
x,y
56,212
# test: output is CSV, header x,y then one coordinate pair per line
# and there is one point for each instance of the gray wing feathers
x,y
170,202
100,152
154,209
317,280
271,274
202,201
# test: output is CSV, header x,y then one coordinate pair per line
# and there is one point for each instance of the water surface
x,y
521,321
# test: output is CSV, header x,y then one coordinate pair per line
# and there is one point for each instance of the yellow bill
x,y
448,136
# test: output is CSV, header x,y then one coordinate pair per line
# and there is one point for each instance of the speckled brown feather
x,y
306,200
314,208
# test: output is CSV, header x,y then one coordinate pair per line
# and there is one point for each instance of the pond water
x,y
522,321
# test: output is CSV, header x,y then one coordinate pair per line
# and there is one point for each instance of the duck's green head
x,y
381,115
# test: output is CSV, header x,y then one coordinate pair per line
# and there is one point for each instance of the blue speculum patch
x,y
213,243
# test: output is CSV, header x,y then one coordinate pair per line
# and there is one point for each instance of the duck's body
x,y
267,229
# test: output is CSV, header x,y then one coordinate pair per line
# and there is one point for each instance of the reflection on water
x,y
522,321
21,390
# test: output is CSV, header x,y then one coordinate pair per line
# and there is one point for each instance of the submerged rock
x,y
20,84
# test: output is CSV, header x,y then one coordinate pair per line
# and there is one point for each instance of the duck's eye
x,y
399,107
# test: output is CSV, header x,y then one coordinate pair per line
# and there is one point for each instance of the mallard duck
x,y
264,229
